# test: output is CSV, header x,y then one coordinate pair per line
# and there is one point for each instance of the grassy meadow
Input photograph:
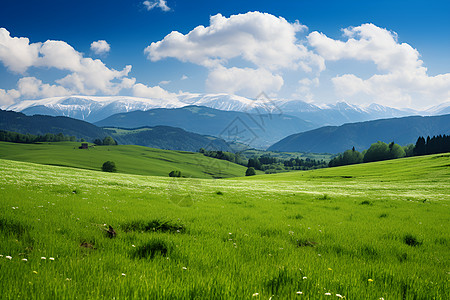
x,y
129,159
368,231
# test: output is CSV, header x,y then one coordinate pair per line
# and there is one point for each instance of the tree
x,y
109,141
377,151
250,171
109,166
175,173
98,142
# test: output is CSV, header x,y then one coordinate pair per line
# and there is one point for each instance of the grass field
x,y
368,231
128,159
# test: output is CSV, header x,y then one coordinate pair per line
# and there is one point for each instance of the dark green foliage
x,y
12,227
254,163
224,155
349,157
154,225
250,171
47,126
14,137
109,166
219,193
411,240
109,141
175,173
434,145
382,151
153,248
366,202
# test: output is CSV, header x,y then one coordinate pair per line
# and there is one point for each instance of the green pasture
x,y
368,231
128,159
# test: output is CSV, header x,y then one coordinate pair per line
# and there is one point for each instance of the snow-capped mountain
x,y
93,109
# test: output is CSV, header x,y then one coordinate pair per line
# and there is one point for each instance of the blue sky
x,y
390,52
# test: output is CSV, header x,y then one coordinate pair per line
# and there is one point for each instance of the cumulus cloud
x,y
184,77
16,53
86,75
260,38
162,4
141,90
33,87
100,47
403,80
8,97
266,42
244,81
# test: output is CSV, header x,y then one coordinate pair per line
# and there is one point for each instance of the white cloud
x,y
184,77
100,47
17,54
32,87
403,80
8,97
266,42
259,38
162,4
87,75
304,90
163,82
141,90
369,43
247,82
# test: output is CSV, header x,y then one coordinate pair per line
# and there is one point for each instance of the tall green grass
x,y
381,233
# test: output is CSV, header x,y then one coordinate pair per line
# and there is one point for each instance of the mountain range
x,y
94,109
335,139
255,130
161,137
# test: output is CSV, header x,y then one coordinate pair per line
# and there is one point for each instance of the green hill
x,y
368,231
166,137
40,125
128,159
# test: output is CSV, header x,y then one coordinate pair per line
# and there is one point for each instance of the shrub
x,y
153,248
411,240
109,166
250,171
175,173
153,225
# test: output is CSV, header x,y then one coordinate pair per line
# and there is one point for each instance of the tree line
x,y
381,151
14,137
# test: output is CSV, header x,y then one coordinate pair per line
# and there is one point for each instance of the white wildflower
x,y
299,293
327,294
8,257
24,259
123,274
255,294
52,258
304,277
43,258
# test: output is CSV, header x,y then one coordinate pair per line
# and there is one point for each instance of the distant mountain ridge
x,y
335,139
161,137
94,108
40,124
252,129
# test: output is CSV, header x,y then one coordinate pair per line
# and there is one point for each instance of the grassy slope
x,y
129,159
313,232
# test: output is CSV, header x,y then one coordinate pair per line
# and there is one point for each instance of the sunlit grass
x,y
383,232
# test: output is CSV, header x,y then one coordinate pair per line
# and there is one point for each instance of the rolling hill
x,y
161,137
166,137
335,139
128,159
39,124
